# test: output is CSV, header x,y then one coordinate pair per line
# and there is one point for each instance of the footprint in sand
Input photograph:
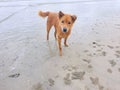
x,y
51,82
74,67
111,47
119,69
87,53
94,81
16,75
78,75
109,70
70,68
117,54
112,62
67,80
101,87
85,60
94,43
37,87
90,66
104,53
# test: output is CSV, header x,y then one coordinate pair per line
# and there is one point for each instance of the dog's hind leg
x,y
49,25
55,32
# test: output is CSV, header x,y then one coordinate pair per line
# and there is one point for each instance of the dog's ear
x,y
61,14
73,18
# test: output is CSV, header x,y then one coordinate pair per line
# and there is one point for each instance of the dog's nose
x,y
64,29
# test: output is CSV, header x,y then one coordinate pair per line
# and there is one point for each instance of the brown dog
x,y
62,24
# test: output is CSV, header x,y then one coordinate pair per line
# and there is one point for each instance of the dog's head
x,y
66,21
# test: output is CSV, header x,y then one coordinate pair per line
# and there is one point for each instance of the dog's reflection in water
x,y
52,46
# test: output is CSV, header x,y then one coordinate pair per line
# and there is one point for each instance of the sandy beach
x,y
29,62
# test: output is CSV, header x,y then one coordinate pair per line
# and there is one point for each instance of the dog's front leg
x,y
65,41
59,44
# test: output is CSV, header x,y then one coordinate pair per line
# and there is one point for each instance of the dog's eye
x,y
69,22
62,22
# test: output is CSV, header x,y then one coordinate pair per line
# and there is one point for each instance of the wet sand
x,y
29,62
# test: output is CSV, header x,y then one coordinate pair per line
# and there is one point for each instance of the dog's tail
x,y
43,14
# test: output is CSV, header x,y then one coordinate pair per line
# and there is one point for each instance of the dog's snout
x,y
64,29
